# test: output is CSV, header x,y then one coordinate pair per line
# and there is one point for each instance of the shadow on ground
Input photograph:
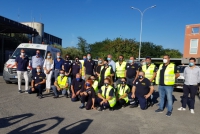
x,y
42,126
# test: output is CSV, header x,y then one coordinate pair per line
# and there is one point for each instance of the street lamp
x,y
142,13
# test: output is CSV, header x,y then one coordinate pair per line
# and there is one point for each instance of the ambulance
x,y
10,70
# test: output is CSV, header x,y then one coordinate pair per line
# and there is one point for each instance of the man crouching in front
x,y
141,91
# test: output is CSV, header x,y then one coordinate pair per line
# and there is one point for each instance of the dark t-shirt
x,y
103,74
22,63
142,87
38,78
76,68
78,85
131,70
89,66
90,92
98,68
67,65
162,72
110,94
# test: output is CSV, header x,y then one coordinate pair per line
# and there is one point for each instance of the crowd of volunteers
x,y
108,84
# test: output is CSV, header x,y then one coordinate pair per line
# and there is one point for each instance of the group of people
x,y
108,84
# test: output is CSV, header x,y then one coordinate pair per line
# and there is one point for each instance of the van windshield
x,y
181,68
28,52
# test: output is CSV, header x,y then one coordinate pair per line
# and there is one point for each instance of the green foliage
x,y
118,46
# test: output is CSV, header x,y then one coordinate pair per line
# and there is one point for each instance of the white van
x,y
10,70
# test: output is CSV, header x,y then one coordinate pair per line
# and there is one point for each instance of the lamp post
x,y
142,13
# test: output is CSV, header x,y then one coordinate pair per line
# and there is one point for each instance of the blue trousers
x,y
166,91
38,89
64,91
104,105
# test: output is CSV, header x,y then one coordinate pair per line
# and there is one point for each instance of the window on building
x,y
194,46
195,30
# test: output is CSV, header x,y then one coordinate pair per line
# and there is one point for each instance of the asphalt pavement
x,y
26,114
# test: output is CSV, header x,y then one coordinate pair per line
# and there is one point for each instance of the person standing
x,y
67,67
111,62
37,60
166,75
150,73
58,62
98,68
48,70
61,85
83,68
76,68
141,91
89,65
120,69
38,82
132,70
192,77
106,70
22,62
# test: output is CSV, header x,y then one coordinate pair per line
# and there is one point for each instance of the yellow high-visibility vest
x,y
122,91
62,81
112,102
83,68
107,72
95,86
148,72
120,69
169,76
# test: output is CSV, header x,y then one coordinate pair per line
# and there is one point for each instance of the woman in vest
x,y
95,84
106,70
122,93
88,95
48,66
106,96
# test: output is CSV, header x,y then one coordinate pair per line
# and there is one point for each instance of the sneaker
x,y
181,109
19,91
159,111
133,106
81,107
26,91
55,97
192,111
111,109
168,114
100,109
40,96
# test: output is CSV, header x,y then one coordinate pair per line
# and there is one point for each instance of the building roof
x,y
10,26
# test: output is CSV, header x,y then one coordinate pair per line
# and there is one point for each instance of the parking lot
x,y
26,114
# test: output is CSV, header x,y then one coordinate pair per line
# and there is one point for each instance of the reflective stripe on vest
x,y
107,72
62,82
112,102
169,76
122,91
120,69
148,72
83,68
95,86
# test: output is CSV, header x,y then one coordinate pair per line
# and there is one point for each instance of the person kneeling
x,y
61,85
88,95
38,83
141,91
76,87
106,96
122,93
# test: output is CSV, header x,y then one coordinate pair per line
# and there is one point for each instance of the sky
x,y
96,20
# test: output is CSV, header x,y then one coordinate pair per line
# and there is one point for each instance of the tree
x,y
82,45
173,53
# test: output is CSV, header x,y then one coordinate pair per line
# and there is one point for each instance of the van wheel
x,y
8,82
